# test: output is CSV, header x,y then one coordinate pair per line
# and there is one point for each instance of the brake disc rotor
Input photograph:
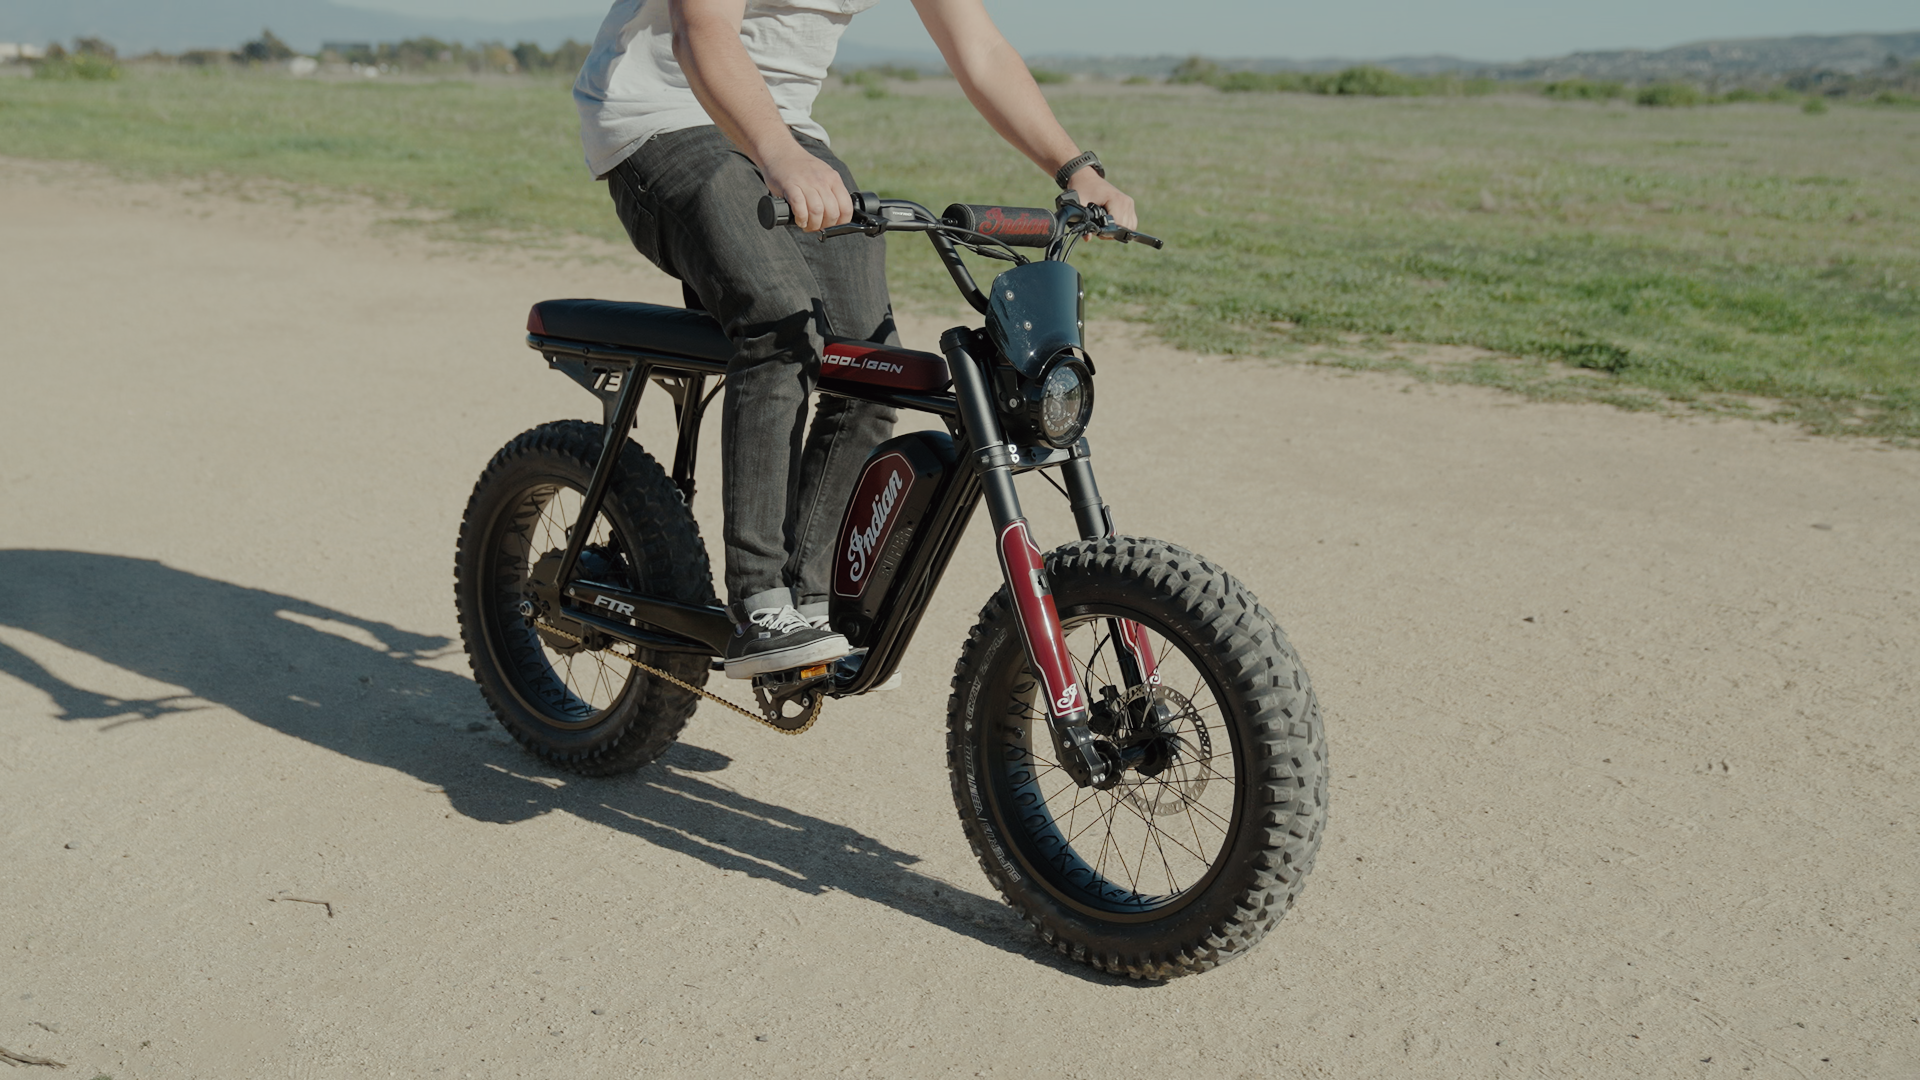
x,y
1181,750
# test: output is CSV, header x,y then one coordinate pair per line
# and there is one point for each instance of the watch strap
x,y
1066,171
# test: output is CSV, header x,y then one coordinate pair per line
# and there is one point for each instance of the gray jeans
x,y
688,200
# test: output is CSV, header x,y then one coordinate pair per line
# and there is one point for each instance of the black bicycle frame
x,y
619,375
988,460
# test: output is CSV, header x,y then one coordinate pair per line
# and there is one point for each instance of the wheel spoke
x,y
1152,827
1140,861
1108,839
1179,818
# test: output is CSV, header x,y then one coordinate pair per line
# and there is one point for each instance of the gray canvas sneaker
x,y
780,639
815,614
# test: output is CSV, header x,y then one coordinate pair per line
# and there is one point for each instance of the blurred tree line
x,y
426,54
94,58
1896,82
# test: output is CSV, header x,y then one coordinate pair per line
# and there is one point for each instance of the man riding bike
x,y
691,110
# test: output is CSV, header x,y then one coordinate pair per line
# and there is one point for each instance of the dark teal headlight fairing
x,y
1034,313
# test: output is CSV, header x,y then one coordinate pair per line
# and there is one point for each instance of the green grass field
x,y
1740,257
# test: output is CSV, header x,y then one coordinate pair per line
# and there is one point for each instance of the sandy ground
x,y
1622,714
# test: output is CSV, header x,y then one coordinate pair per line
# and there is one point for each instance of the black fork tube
x,y
1089,513
1095,522
631,387
991,456
1025,572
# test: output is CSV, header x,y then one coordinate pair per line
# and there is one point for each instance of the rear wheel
x,y
555,685
1208,836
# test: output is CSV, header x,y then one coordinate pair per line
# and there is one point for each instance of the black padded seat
x,y
637,326
855,367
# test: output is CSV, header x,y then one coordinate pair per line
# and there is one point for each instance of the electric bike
x,y
1135,751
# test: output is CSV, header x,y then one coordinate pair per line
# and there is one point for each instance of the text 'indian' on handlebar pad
x,y
1017,226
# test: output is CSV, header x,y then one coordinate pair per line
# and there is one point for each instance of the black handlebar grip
x,y
1015,226
774,212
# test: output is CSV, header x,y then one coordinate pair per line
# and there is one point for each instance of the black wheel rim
x,y
1152,844
569,690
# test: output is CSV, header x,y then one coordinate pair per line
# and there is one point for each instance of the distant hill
x,y
1852,54
136,26
1122,66
1733,58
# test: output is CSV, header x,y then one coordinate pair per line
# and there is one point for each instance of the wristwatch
x,y
1066,171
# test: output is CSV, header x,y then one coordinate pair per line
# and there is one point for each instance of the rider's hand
x,y
811,187
1095,191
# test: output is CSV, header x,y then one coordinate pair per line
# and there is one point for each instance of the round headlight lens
x,y
1066,401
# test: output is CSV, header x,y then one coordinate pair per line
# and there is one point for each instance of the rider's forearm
x,y
997,82
706,44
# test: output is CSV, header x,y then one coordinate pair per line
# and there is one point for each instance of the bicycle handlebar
x,y
1015,226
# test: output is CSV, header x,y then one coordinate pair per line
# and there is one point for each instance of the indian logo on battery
x,y
871,517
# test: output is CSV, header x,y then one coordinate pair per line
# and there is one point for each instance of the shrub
x,y
1274,81
1196,69
265,49
1668,95
1583,90
85,62
571,56
1814,106
1047,75
1369,81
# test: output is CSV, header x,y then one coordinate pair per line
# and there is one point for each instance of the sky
x,y
1474,29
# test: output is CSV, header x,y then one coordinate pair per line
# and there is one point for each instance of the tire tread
x,y
650,506
1287,749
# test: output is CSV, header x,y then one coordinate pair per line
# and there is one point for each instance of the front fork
x,y
1068,710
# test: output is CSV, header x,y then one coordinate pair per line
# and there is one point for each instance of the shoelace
x,y
783,620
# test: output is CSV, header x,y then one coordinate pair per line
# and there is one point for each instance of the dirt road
x,y
1622,712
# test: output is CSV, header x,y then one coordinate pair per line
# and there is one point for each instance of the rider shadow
x,y
359,688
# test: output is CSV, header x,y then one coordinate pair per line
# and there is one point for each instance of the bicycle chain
x,y
819,699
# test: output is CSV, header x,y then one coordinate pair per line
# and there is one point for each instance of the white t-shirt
x,y
631,88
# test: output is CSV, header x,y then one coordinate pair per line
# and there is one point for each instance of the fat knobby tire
x,y
1280,803
665,555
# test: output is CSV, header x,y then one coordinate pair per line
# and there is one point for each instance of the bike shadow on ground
x,y
361,688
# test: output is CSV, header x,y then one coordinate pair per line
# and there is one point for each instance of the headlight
x,y
1060,402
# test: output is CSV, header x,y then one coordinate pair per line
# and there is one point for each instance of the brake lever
x,y
1125,235
870,224
1103,225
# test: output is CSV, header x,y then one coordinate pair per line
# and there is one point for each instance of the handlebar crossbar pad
x,y
1016,226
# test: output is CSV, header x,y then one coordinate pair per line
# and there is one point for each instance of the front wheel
x,y
1207,837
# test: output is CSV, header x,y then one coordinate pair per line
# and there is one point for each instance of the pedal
x,y
785,682
791,700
